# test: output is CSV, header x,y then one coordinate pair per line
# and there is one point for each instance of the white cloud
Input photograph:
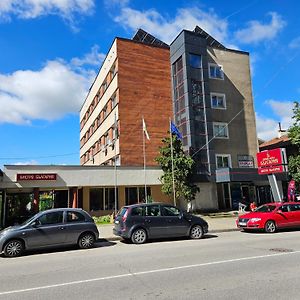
x,y
24,163
295,43
267,128
167,29
94,58
46,94
30,9
258,31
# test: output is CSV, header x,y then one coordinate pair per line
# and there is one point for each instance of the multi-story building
x,y
133,84
213,108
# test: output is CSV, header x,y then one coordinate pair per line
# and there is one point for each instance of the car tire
x,y
86,240
196,232
13,248
270,226
139,236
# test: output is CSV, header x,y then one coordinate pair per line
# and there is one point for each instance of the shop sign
x,y
271,170
27,177
270,158
245,161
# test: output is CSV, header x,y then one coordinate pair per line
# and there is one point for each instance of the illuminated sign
x,y
27,177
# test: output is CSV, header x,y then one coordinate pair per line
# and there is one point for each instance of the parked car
x,y
50,228
270,217
140,222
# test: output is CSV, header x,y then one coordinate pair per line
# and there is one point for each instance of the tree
x,y
183,167
294,135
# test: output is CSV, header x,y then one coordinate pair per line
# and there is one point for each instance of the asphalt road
x,y
232,265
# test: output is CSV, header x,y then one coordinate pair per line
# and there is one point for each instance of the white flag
x,y
145,130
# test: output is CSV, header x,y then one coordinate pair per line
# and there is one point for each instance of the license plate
x,y
117,222
242,223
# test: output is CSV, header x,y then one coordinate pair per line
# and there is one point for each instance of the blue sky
x,y
51,50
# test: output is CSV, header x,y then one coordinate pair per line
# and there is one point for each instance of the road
x,y
232,265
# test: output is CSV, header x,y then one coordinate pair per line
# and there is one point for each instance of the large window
x,y
220,130
215,71
223,161
218,101
136,194
96,199
195,61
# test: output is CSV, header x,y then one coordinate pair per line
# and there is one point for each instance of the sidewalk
x,y
216,223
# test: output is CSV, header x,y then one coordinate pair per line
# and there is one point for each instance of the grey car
x,y
50,228
140,222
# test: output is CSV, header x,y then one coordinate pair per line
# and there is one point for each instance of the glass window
x,y
170,211
195,60
96,199
223,161
131,195
110,198
220,130
152,211
74,216
215,71
218,101
51,218
137,211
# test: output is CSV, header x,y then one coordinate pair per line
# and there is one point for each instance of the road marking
x,y
146,272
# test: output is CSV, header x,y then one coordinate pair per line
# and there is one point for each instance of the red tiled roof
x,y
275,141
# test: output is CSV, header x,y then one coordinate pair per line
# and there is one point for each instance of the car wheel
x,y
139,236
196,232
86,241
13,248
270,227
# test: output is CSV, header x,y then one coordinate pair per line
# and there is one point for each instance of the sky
x,y
51,50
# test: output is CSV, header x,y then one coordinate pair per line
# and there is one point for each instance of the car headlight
x,y
255,219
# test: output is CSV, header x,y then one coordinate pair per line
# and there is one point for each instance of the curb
x,y
117,238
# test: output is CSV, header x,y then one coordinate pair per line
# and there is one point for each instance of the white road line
x,y
146,272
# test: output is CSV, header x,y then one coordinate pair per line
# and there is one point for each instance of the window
x,y
51,218
215,71
223,161
195,61
218,101
220,130
138,211
110,202
170,211
96,199
136,194
74,216
152,211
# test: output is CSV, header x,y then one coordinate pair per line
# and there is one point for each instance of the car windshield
x,y
28,220
265,208
122,211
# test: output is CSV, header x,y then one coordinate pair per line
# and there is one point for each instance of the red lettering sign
x,y
24,177
269,158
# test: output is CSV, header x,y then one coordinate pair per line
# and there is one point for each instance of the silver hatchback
x,y
50,228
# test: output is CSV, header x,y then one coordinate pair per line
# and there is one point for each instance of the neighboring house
x,y
213,108
133,83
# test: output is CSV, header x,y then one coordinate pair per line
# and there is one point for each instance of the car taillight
x,y
125,216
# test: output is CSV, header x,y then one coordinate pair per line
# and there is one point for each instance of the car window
x,y
152,211
74,216
170,211
123,211
51,218
265,208
137,211
295,207
285,208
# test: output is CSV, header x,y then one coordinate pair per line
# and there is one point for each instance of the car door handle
x,y
62,228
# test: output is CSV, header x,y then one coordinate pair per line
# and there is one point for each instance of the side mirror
x,y
279,211
35,223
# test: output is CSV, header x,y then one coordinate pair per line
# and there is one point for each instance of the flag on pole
x,y
145,130
175,130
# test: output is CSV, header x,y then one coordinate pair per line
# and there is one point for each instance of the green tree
x,y
183,167
294,135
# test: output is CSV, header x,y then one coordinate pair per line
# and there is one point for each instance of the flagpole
x,y
115,163
172,160
144,151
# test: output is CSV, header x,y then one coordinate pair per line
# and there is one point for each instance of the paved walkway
x,y
216,223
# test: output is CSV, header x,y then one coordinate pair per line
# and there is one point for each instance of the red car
x,y
271,216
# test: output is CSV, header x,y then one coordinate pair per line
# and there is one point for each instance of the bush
x,y
102,220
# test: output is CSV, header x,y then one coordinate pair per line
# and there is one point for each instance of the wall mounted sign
x,y
245,161
27,177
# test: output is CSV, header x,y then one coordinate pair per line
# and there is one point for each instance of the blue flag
x,y
175,130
